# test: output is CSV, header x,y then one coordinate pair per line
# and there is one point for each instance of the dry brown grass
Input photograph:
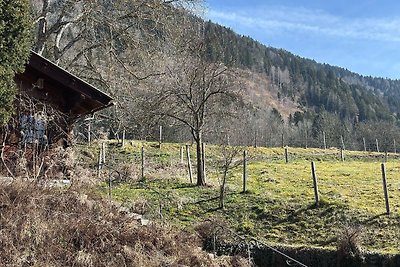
x,y
57,227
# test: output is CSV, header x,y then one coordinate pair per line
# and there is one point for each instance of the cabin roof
x,y
48,82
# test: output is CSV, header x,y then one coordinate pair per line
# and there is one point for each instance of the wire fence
x,y
380,143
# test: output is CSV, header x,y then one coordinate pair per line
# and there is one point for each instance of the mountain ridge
x,y
315,85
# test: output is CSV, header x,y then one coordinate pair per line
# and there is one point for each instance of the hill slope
x,y
311,84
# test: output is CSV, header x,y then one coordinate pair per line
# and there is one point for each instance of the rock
x,y
144,222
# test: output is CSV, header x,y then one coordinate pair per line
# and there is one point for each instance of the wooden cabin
x,y
50,101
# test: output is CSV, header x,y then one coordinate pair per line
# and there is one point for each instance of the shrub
x,y
44,226
349,242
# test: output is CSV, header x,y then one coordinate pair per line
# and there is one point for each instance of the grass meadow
x,y
279,205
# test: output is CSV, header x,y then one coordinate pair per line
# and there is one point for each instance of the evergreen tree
x,y
15,43
318,125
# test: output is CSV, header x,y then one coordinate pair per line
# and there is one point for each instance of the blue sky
x,y
360,35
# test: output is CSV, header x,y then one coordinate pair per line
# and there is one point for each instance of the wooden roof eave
x,y
67,79
91,112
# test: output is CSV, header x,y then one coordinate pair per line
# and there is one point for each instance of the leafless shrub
x,y
83,176
234,261
21,167
59,163
129,172
215,233
208,229
140,206
44,226
238,261
349,242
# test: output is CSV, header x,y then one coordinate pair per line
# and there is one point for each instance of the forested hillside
x,y
315,86
165,66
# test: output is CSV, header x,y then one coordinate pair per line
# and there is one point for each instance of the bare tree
x,y
60,25
79,27
115,45
228,162
193,90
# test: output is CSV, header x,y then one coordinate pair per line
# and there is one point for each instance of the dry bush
x,y
349,242
21,167
129,172
140,206
235,261
211,231
41,163
43,226
60,163
210,228
83,176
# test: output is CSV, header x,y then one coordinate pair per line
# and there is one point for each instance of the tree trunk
x,y
221,197
42,29
222,188
201,181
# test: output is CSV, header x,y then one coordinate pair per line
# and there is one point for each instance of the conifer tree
x,y
15,41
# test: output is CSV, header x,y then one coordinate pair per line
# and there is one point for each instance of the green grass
x,y
279,205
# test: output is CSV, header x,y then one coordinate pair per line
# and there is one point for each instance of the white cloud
x,y
275,20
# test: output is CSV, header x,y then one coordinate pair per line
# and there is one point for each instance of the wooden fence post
x,y
385,190
160,138
181,154
255,138
315,183
341,154
103,149
306,140
100,162
123,137
286,155
189,164
110,186
203,154
283,140
89,133
365,146
342,142
324,139
377,145
394,146
244,171
143,162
